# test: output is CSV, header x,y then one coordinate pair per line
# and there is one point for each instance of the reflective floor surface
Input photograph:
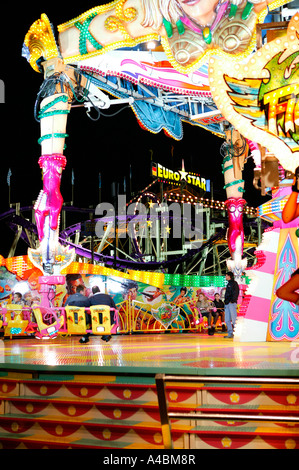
x,y
194,354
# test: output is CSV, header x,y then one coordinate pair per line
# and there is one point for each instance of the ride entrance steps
x,y
40,410
43,409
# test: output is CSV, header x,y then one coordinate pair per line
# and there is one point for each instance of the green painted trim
x,y
163,369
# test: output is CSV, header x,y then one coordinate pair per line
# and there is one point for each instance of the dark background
x,y
108,146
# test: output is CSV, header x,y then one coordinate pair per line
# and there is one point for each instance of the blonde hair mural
x,y
259,97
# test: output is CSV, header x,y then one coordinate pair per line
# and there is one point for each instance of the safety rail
x,y
142,318
166,415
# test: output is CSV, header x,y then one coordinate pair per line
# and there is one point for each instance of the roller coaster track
x,y
15,220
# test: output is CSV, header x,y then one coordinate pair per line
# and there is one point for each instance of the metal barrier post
x,y
165,422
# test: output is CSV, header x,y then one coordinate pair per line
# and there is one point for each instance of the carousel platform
x,y
61,394
149,354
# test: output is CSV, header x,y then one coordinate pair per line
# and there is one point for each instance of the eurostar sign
x,y
179,177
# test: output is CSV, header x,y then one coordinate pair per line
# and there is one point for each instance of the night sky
x,y
109,145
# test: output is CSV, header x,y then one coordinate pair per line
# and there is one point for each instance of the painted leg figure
x,y
233,164
288,291
55,106
48,207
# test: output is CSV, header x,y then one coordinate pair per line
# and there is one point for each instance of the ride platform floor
x,y
148,354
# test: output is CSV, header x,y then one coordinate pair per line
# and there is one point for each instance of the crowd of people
x,y
225,309
25,300
79,298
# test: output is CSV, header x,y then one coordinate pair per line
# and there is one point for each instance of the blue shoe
x,y
228,336
106,338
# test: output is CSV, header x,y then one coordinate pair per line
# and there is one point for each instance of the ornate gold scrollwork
x,y
115,23
41,42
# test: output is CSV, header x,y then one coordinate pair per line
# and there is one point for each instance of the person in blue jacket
x,y
99,298
230,303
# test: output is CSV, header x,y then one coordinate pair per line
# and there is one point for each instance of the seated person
x,y
100,299
220,310
205,306
78,299
17,299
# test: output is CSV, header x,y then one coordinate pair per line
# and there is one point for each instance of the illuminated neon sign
x,y
179,177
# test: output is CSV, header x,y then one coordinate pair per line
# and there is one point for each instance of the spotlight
x,y
151,45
